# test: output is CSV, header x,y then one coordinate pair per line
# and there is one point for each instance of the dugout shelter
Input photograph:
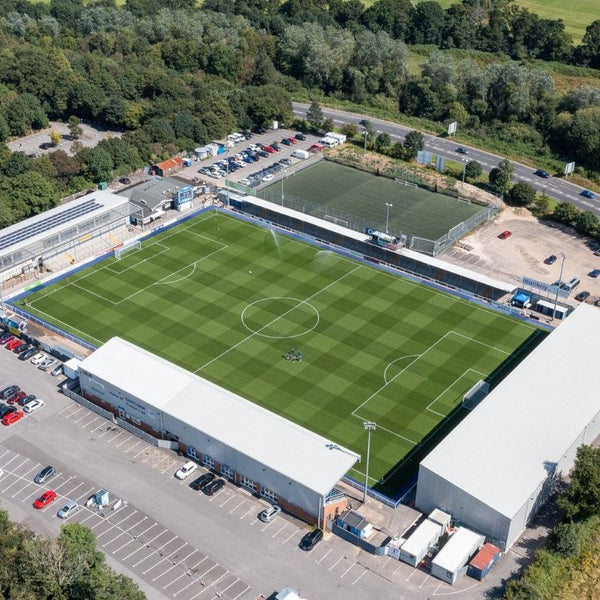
x,y
500,464
251,446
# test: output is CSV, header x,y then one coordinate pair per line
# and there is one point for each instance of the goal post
x,y
476,394
128,247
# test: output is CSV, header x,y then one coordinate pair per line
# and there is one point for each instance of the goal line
x,y
128,247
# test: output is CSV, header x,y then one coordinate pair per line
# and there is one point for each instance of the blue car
x,y
595,273
588,194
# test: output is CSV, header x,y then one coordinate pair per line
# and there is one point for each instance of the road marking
x,y
95,418
322,557
226,501
160,559
237,506
280,530
336,562
291,536
347,570
129,437
424,580
359,577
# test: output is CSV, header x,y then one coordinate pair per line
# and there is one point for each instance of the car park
x,y
38,358
202,481
45,499
595,273
26,399
550,260
45,474
12,417
300,136
505,234
213,487
67,510
8,391
57,370
588,194
15,398
461,150
270,513
186,470
311,539
33,405
542,173
582,296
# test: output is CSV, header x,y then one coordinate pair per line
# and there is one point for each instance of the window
x,y
227,471
192,452
268,494
248,483
208,461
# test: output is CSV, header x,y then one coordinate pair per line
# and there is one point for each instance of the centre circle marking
x,y
298,304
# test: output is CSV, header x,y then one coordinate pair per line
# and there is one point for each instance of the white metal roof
x,y
426,533
502,451
104,201
457,549
250,429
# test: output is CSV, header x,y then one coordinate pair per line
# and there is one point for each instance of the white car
x,y
46,364
270,513
38,358
268,177
33,405
67,510
186,470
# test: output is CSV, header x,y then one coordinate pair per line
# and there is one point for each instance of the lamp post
x,y
227,169
387,215
369,426
562,264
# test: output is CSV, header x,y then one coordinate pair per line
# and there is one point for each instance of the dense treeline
x,y
69,567
173,76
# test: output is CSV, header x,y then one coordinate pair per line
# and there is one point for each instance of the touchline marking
x,y
210,362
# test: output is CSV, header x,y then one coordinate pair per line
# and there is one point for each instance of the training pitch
x,y
227,300
356,195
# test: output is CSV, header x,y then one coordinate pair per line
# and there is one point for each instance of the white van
x,y
571,285
329,142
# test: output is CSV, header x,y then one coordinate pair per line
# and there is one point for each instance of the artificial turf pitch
x,y
227,299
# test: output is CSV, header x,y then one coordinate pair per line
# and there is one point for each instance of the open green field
x,y
356,199
227,299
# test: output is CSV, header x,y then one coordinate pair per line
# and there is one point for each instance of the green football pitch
x,y
227,300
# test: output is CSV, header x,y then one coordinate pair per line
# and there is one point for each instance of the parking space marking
x,y
144,544
172,563
85,414
242,592
86,495
225,502
237,506
322,557
170,466
291,536
117,524
359,577
138,442
336,563
65,482
71,491
94,419
129,437
109,429
145,449
250,510
153,556
347,571
103,421
280,530
148,545
424,580
76,407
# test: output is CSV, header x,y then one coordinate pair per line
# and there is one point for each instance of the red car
x,y
292,140
269,149
10,338
13,344
13,417
505,234
16,398
45,499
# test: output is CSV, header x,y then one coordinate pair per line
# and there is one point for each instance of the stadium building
x,y
48,240
251,446
499,465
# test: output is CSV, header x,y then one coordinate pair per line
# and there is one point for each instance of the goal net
x,y
125,248
406,183
476,394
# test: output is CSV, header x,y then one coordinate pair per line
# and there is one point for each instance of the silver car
x,y
67,510
270,513
46,364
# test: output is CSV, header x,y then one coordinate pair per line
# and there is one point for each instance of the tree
x,y
314,115
566,213
75,129
55,137
100,165
521,194
473,170
413,143
17,163
350,130
501,176
382,142
565,539
587,223
583,496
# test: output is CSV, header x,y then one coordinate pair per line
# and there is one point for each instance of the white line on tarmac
x,y
237,506
423,582
280,530
347,570
129,437
336,562
322,557
358,578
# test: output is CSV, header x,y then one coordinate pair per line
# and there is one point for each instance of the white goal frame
x,y
135,245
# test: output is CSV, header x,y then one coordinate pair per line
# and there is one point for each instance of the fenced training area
x,y
358,199
228,300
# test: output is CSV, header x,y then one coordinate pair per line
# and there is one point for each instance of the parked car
x,y
300,136
270,513
14,399
12,417
312,538
270,149
43,366
268,177
542,173
505,234
125,180
38,358
17,347
26,399
263,154
46,498
6,410
550,260
27,354
186,470
22,348
588,194
33,405
595,273
6,339
45,474
13,344
203,480
58,370
286,161
291,140
286,142
8,391
213,487
582,296
67,510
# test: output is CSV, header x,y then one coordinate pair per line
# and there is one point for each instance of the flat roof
x,y
57,219
457,550
270,439
421,537
508,445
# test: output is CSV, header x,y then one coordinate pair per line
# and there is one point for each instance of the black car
x,y
125,180
309,541
27,354
22,346
26,399
202,481
263,154
247,134
582,296
5,336
6,410
45,474
542,173
300,136
9,390
276,147
462,150
285,161
550,260
46,145
286,142
213,487
261,146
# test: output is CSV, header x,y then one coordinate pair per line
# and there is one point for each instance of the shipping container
x,y
483,561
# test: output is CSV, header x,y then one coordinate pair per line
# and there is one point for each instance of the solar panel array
x,y
64,216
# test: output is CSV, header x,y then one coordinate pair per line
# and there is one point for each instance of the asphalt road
x,y
554,187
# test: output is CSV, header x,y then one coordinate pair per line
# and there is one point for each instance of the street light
x,y
387,215
369,426
562,264
227,169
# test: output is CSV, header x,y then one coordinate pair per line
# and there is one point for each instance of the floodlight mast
x,y
369,426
